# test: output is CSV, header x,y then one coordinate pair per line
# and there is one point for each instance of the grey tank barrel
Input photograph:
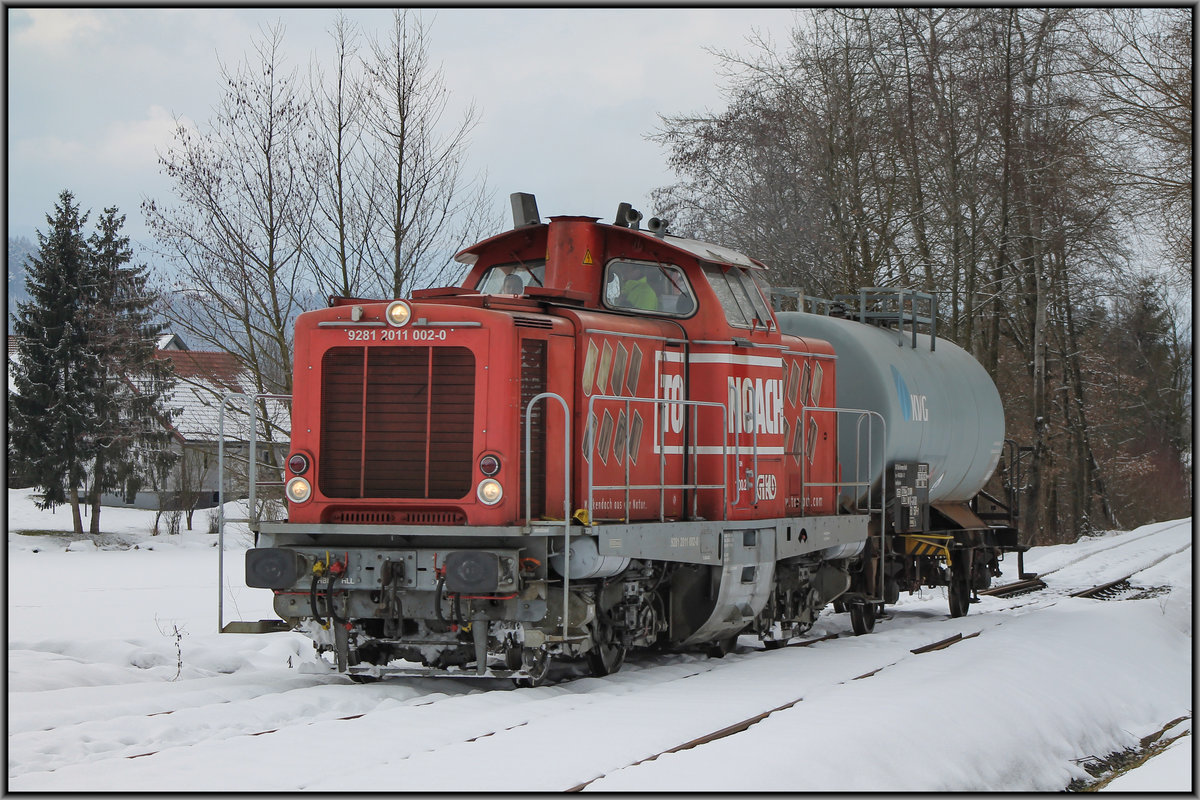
x,y
940,406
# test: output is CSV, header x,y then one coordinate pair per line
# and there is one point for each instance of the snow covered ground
x,y
118,680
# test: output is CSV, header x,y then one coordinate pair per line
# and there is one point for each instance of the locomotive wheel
x,y
537,664
775,644
721,647
839,606
608,654
862,618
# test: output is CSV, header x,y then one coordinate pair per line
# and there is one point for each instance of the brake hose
x,y
330,606
312,599
437,600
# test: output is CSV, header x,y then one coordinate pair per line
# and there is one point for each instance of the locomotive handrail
x,y
566,520
863,414
662,485
252,483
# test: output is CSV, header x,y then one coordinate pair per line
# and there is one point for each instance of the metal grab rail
x,y
251,480
863,414
566,520
662,485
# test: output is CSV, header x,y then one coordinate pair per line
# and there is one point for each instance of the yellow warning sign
x,y
587,256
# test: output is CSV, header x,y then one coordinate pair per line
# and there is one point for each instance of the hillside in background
x,y
19,249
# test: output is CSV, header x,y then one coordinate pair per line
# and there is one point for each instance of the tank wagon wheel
x,y
960,595
608,654
862,618
537,664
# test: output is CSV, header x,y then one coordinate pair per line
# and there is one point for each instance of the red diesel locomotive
x,y
605,440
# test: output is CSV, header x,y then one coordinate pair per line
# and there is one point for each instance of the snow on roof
x,y
712,252
171,341
204,378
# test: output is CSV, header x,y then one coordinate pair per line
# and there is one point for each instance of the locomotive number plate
x,y
396,335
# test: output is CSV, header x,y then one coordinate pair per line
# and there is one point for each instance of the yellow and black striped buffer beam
x,y
928,544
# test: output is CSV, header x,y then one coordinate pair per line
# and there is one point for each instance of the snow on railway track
x,y
847,713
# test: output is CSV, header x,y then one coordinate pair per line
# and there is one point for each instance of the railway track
x,y
1109,590
418,727
1104,591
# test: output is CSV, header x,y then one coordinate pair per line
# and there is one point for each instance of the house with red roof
x,y
204,380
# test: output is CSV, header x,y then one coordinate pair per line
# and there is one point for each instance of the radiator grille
x,y
397,422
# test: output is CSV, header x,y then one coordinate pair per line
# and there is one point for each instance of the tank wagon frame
x,y
607,439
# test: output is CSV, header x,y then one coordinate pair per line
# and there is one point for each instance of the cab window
x,y
512,278
648,287
739,296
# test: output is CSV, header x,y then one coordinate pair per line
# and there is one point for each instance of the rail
x,y
662,486
858,483
252,481
882,305
566,520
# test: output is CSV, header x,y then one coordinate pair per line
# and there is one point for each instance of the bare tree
x,y
973,153
339,252
426,208
239,233
1141,64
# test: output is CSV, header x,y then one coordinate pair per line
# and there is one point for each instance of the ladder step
x,y
259,626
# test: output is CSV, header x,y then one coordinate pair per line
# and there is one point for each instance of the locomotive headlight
x,y
490,491
298,490
489,465
398,313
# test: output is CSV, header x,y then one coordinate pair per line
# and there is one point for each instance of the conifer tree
x,y
129,414
50,399
87,400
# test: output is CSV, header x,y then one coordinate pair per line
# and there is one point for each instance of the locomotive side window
x,y
513,278
739,296
656,288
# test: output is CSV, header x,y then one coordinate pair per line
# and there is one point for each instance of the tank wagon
x,y
606,439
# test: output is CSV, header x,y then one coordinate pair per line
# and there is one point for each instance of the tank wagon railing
x,y
859,483
875,305
804,302
880,305
662,485
252,485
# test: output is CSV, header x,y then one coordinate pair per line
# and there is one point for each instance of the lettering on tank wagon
x,y
913,407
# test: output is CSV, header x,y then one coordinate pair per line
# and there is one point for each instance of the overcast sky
x,y
567,97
